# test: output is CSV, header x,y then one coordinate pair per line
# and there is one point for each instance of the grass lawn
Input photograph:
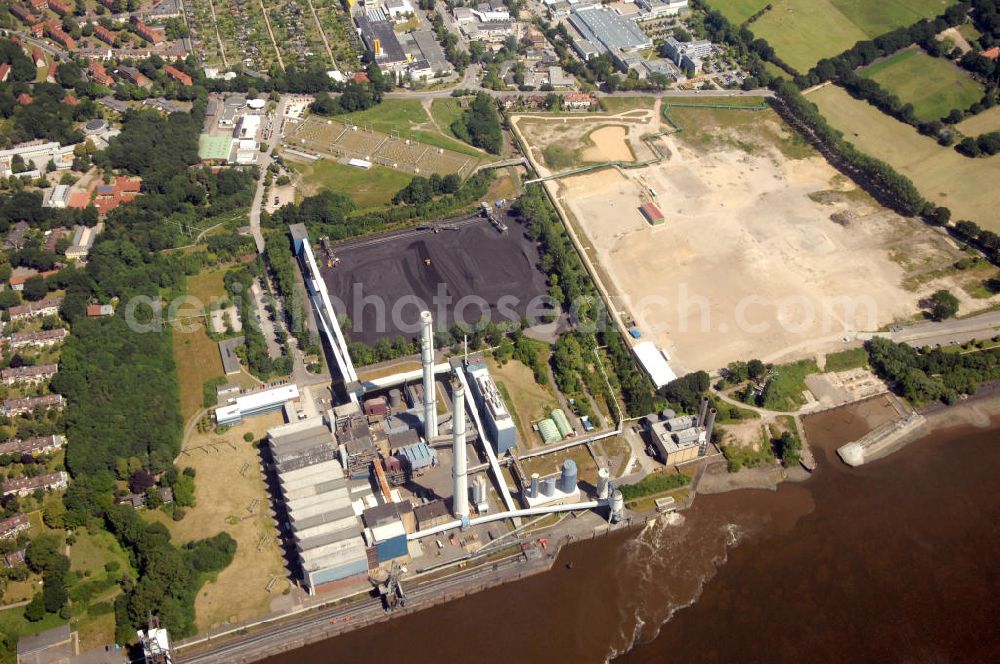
x,y
934,86
804,31
622,104
846,359
91,552
372,188
785,391
197,356
224,496
445,112
529,401
408,117
13,625
750,131
966,186
987,121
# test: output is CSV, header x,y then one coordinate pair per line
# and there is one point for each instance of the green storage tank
x,y
562,422
549,431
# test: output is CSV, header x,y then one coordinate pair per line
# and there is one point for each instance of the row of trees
x,y
985,240
423,190
878,178
867,51
984,145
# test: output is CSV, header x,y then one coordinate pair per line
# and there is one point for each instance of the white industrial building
x,y
654,361
256,404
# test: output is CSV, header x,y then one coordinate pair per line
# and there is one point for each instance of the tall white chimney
x,y
459,470
430,393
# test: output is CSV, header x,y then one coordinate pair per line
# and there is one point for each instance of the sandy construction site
x,y
760,255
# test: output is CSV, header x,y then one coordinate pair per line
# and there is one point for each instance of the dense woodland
x,y
479,125
923,375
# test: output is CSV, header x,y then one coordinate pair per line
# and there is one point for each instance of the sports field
x,y
804,31
351,137
371,188
410,120
966,186
933,85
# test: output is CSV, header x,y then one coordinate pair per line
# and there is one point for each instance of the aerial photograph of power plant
x,y
523,331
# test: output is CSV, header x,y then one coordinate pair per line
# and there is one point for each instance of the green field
x,y
987,121
846,359
409,118
933,85
804,31
445,112
966,186
371,188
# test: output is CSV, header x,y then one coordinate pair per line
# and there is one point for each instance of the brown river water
x,y
896,561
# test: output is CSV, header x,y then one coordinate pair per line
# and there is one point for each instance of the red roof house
x,y
4,72
361,77
38,56
177,75
24,99
991,53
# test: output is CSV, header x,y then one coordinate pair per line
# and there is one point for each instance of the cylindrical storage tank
x,y
617,506
549,486
569,476
395,398
603,478
533,491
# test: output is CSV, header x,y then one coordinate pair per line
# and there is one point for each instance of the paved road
x,y
982,326
666,94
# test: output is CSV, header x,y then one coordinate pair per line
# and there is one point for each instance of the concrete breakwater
x,y
881,440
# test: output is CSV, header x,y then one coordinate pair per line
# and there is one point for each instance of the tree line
x,y
479,125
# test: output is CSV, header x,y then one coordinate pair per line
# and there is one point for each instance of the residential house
x,y
24,99
39,5
12,526
40,339
17,282
50,75
33,446
577,101
4,72
60,7
13,407
105,35
14,559
100,310
152,35
38,56
49,307
20,12
32,375
178,75
60,37
23,486
135,76
15,238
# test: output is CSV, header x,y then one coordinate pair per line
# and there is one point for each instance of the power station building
x,y
317,500
498,422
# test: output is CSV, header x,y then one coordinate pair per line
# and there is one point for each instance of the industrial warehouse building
x,y
321,518
256,404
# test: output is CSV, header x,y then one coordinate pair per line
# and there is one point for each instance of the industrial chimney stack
x,y
702,411
430,393
459,472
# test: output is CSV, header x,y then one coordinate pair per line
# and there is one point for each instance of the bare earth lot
x,y
749,262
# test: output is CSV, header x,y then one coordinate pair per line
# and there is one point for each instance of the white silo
x,y
617,511
459,466
603,478
430,393
480,493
